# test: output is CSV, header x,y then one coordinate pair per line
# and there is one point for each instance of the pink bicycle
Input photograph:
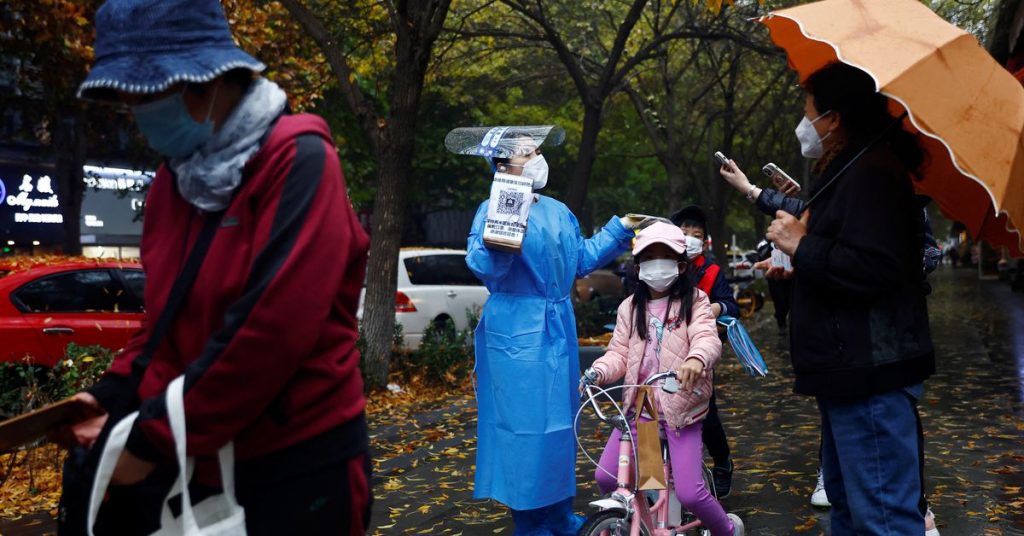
x,y
628,510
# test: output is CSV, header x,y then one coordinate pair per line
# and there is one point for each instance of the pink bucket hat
x,y
661,233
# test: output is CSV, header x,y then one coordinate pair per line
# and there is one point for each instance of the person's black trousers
x,y
780,290
714,434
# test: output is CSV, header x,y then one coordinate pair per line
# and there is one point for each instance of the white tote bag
x,y
218,515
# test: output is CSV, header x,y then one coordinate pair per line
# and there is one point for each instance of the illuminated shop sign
x,y
30,209
112,203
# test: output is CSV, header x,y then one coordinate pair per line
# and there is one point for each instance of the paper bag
x,y
648,442
507,212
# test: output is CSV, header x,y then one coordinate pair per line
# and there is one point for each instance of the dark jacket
x,y
267,336
859,323
770,201
720,292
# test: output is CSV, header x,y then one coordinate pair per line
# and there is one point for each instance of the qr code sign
x,y
510,202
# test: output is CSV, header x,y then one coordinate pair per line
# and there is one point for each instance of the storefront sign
x,y
30,210
112,203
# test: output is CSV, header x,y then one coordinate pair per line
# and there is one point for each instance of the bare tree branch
x,y
362,107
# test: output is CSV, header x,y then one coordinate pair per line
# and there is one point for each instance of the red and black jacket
x,y
267,335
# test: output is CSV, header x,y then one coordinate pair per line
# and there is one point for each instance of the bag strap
x,y
707,281
226,457
183,284
645,400
856,157
179,291
112,449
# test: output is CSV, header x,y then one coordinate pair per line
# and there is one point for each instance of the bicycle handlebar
x,y
591,395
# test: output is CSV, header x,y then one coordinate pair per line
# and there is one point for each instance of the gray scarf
x,y
208,177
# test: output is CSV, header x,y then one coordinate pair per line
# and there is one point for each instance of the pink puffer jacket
x,y
680,341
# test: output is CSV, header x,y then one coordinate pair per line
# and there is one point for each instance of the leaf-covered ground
x,y
973,411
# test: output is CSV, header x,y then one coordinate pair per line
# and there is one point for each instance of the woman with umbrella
x,y
860,340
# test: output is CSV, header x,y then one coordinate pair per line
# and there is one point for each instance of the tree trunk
x,y
382,269
718,204
585,158
998,42
70,144
677,182
397,145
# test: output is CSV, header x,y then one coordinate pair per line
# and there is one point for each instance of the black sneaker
x,y
723,480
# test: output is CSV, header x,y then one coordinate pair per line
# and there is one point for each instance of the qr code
x,y
510,202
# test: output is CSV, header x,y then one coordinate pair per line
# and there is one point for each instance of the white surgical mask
x,y
659,274
536,168
694,247
810,143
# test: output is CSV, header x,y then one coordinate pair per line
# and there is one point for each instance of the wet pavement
x,y
973,413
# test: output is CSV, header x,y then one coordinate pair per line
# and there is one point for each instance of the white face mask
x,y
537,169
659,274
810,143
694,247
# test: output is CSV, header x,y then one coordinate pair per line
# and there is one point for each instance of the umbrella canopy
x,y
967,110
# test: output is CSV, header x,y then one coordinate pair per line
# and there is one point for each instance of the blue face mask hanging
x,y
169,128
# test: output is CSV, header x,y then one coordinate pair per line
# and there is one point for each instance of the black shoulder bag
x,y
80,467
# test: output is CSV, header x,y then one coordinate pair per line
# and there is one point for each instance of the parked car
x,y
601,283
741,264
434,286
44,308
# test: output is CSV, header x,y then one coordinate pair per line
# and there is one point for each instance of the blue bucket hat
x,y
146,46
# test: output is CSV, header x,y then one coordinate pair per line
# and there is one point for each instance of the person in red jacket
x,y
266,335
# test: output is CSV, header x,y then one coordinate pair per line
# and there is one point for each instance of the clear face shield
x,y
519,169
515,145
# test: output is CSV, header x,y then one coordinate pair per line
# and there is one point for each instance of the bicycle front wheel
x,y
607,523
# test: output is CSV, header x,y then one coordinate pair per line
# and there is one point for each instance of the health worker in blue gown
x,y
527,359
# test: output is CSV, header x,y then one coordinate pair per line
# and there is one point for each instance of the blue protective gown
x,y
527,356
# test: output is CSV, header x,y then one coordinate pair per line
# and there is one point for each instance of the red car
x,y
44,308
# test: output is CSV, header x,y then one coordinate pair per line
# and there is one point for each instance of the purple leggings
x,y
685,449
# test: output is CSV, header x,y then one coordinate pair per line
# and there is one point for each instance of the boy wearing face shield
x,y
527,359
709,277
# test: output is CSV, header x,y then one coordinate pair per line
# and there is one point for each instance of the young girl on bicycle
x,y
668,325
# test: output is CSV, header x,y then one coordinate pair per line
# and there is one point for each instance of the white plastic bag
x,y
218,515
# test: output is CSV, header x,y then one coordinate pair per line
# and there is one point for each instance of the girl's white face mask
x,y
659,274
810,143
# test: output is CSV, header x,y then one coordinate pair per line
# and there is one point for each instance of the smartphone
x,y
780,179
722,160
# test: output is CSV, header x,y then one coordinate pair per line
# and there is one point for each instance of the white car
x,y
434,285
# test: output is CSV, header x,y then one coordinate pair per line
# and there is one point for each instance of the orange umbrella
x,y
967,110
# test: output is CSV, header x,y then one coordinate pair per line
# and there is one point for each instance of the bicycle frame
x,y
633,502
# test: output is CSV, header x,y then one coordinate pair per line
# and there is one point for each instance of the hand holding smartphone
x,y
722,159
781,180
